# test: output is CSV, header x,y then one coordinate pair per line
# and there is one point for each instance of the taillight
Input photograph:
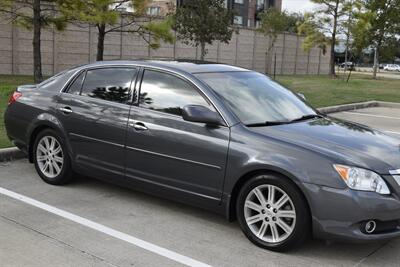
x,y
14,97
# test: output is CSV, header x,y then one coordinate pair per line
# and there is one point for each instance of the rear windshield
x,y
57,82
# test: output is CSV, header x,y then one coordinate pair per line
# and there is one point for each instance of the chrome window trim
x,y
76,75
144,66
188,79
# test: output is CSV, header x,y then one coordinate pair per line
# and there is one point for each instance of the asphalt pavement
x,y
92,223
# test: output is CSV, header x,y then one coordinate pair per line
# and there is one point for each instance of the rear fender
x,y
41,122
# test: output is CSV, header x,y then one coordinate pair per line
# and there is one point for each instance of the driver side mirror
x,y
302,96
201,114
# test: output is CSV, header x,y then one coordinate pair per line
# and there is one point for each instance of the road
x,y
381,73
92,223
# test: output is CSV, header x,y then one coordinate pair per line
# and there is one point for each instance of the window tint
x,y
255,98
112,84
167,93
57,82
76,86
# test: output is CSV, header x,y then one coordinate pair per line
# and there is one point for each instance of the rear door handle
x,y
139,126
66,110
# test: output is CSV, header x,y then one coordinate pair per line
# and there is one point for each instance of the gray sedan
x,y
218,137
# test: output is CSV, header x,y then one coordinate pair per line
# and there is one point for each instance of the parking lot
x,y
92,223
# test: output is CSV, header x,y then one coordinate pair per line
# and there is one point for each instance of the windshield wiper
x,y
267,123
307,117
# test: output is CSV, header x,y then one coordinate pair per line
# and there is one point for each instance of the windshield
x,y
256,99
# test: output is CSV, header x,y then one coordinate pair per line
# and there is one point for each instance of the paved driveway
x,y
99,224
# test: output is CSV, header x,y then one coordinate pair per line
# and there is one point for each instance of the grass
x,y
320,91
8,83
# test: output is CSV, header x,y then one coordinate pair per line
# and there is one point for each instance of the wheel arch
x,y
231,205
43,122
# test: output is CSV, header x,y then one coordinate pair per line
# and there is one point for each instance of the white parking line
x,y
371,115
106,230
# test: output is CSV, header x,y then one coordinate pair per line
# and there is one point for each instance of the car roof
x,y
190,66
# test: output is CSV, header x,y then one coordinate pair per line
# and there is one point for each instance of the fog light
x,y
370,227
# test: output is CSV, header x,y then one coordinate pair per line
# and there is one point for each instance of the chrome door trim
x,y
175,158
96,140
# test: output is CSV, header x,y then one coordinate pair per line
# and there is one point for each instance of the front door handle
x,y
139,126
66,110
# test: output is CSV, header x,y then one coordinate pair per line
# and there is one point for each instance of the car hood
x,y
342,141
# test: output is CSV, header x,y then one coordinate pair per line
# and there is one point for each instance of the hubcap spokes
x,y
270,213
49,156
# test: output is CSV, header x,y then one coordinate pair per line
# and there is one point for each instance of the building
x,y
247,11
160,7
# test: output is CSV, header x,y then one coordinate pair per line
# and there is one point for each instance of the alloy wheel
x,y
49,156
269,213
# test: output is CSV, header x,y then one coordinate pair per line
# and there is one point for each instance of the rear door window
x,y
76,86
111,84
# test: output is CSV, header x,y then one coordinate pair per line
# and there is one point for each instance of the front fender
x,y
250,153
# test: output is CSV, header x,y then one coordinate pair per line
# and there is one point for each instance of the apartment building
x,y
247,11
160,7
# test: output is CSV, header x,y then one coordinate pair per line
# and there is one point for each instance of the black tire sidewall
x,y
302,225
65,174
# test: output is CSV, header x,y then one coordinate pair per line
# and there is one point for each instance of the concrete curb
x,y
388,104
354,106
12,153
347,107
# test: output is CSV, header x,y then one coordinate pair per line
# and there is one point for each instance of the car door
x,y
185,158
94,111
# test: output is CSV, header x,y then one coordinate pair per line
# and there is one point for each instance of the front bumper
x,y
340,213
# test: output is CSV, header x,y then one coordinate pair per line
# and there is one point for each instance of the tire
x,y
44,154
266,224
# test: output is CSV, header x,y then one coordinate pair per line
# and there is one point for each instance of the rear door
x,y
94,111
185,158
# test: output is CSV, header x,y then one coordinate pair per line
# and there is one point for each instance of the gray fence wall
x,y
77,45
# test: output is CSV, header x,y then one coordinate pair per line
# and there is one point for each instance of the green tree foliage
x,y
34,15
201,22
351,8
390,50
314,36
322,26
274,21
378,25
106,16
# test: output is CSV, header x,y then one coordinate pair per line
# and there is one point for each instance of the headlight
x,y
362,179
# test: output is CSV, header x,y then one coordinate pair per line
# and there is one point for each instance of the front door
x,y
169,152
94,112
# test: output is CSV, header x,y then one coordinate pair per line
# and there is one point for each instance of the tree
x,y
378,24
322,24
351,7
107,16
390,50
34,15
201,22
274,21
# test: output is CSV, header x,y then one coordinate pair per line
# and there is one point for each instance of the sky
x,y
297,5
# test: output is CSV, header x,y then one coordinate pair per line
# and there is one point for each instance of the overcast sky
x,y
297,5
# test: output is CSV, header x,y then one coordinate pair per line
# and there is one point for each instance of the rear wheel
x,y
272,213
50,158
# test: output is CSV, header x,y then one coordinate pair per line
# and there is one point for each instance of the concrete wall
x,y
77,45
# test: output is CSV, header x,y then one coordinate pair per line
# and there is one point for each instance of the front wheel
x,y
272,213
51,159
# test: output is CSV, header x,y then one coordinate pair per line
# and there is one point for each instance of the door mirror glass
x,y
198,113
